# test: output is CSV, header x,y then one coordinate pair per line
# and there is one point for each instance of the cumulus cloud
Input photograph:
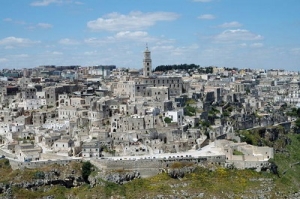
x,y
133,35
22,55
132,21
90,52
15,41
295,51
207,16
233,24
175,50
100,41
44,25
7,19
203,1
10,20
67,41
237,35
56,53
3,60
257,45
123,36
48,2
45,2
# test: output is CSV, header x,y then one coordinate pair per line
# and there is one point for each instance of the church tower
x,y
147,63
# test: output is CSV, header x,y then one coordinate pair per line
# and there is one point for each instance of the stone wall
x,y
151,167
240,164
15,164
6,154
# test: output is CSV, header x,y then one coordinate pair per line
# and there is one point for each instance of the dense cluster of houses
x,y
57,112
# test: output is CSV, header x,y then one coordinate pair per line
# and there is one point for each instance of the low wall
x,y
150,167
6,154
15,164
53,156
258,165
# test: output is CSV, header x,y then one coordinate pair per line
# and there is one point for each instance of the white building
x,y
176,116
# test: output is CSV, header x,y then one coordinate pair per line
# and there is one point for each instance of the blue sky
x,y
225,33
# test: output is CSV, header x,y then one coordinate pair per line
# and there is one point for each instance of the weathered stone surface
x,y
180,172
115,177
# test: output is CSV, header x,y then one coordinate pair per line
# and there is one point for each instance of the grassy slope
x,y
289,172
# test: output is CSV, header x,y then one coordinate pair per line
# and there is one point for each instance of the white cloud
x,y
7,19
3,60
203,1
233,24
56,53
295,51
123,36
30,26
44,2
96,41
67,41
257,45
44,25
132,21
15,41
22,55
90,52
237,35
131,35
10,20
173,50
78,2
207,16
48,2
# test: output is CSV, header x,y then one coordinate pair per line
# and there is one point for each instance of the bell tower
x,y
147,63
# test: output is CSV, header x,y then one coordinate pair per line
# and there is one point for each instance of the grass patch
x,y
236,152
289,165
178,165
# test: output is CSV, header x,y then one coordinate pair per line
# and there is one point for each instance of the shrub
x,y
236,152
39,175
190,111
168,120
86,170
176,165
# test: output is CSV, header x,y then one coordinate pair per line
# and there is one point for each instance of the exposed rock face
x,y
121,178
5,189
115,177
180,172
53,177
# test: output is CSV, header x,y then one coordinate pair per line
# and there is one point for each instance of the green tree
x,y
189,110
168,120
86,170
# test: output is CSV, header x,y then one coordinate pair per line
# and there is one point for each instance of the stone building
x,y
147,63
91,149
39,118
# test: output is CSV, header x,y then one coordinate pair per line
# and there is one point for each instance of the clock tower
x,y
147,63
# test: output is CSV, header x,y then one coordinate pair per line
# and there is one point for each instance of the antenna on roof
x,y
147,46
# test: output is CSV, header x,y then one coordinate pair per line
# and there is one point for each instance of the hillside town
x,y
104,113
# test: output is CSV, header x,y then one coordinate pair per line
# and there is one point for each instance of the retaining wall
x,y
15,164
